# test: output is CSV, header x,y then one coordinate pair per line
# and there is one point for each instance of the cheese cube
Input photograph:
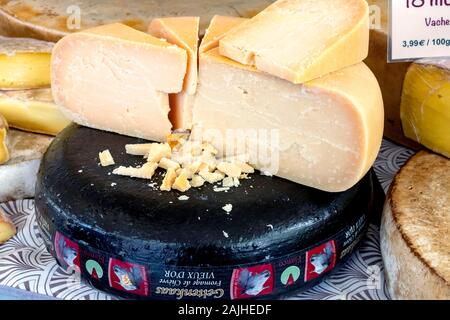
x,y
123,85
425,107
183,32
106,158
324,134
301,40
169,180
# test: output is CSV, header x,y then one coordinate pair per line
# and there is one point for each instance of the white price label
x,y
419,29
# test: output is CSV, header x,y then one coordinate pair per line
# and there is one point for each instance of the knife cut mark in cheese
x,y
425,107
32,110
301,40
329,129
4,152
217,29
183,32
123,85
24,63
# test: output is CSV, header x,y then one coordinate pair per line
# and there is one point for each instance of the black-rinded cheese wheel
x,y
125,228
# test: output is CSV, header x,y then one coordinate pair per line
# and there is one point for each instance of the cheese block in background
x,y
123,85
415,230
183,32
329,130
301,40
425,107
52,19
217,29
24,63
32,110
18,175
4,151
390,75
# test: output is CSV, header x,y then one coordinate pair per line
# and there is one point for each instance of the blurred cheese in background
x,y
301,40
217,29
52,19
4,151
425,107
32,110
183,32
24,63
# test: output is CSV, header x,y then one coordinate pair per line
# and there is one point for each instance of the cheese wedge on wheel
x,y
118,79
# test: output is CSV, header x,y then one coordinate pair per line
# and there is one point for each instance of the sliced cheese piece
x,y
18,175
7,227
324,134
4,152
301,40
145,172
217,29
123,85
32,110
183,32
415,228
169,180
24,63
106,158
425,107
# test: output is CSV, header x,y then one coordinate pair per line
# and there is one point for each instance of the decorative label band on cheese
x,y
24,63
118,79
324,134
301,40
217,29
183,32
32,110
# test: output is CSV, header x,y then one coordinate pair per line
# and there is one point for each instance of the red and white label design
x,y
320,260
252,282
68,252
128,277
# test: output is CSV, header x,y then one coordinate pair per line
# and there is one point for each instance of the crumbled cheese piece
x,y
106,158
221,189
245,167
207,147
183,198
80,171
228,208
168,164
197,181
159,151
113,184
188,173
212,177
138,149
225,234
145,172
210,160
230,169
174,139
169,180
228,182
182,183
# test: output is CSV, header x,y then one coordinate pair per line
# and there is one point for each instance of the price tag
x,y
419,29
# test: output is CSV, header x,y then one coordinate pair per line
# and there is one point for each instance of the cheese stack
x,y
425,106
312,114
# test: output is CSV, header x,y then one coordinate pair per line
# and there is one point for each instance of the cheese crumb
x,y
145,172
212,177
183,198
225,234
228,208
169,180
106,158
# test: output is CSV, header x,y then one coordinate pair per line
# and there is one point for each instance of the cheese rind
x,y
217,29
123,85
24,63
425,106
299,40
32,110
326,133
183,32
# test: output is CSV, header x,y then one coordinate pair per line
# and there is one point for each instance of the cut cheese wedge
x,y
325,134
32,110
24,63
300,40
183,32
425,107
217,29
118,79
